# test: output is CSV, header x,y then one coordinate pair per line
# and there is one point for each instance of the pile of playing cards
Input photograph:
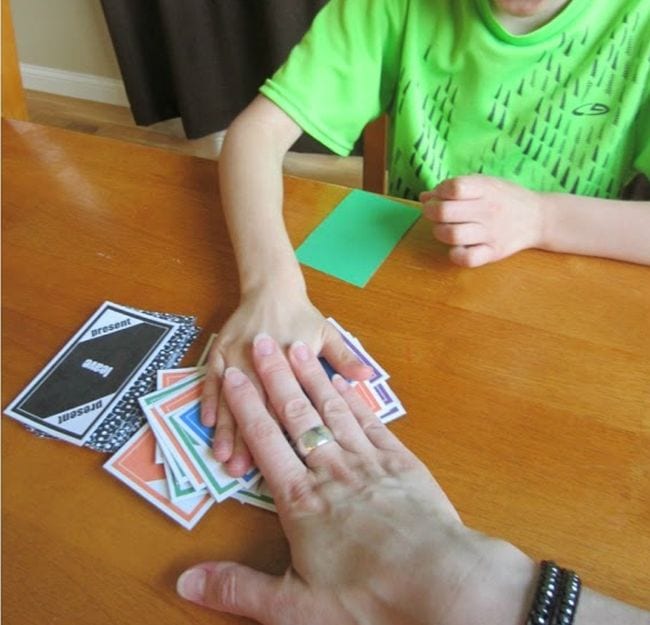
x,y
88,393
170,463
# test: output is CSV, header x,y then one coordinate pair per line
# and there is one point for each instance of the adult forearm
x,y
595,227
595,609
250,176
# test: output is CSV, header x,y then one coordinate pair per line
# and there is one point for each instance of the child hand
x,y
484,219
288,316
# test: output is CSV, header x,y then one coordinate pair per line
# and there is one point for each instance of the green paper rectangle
x,y
357,236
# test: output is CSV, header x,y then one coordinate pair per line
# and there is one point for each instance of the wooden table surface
x,y
526,383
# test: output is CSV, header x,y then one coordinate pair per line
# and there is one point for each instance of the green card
x,y
357,236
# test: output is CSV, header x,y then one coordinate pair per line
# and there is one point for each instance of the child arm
x,y
273,294
486,219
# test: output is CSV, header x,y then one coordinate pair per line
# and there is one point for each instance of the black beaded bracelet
x,y
556,598
568,601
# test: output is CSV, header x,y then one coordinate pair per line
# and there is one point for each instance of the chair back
x,y
375,142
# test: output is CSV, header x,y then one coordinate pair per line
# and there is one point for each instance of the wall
x,y
64,47
64,34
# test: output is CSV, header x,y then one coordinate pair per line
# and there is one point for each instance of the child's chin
x,y
521,8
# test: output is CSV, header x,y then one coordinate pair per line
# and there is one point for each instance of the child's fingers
x,y
460,234
241,460
211,389
455,211
461,188
341,358
471,256
224,434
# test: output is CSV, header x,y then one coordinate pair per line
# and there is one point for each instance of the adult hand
x,y
289,316
484,219
373,537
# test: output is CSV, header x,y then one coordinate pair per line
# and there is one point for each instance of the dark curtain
x,y
202,60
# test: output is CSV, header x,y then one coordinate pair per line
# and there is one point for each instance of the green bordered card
x,y
354,240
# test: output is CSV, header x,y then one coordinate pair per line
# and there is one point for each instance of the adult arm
x,y
373,538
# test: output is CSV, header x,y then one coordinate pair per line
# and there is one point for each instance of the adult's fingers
x,y
271,450
237,589
376,432
240,460
384,440
333,409
211,388
289,401
339,355
224,432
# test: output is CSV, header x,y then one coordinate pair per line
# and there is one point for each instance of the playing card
x,y
163,402
378,396
81,385
218,482
179,491
390,406
159,458
134,464
355,347
392,413
258,495
168,377
206,350
126,417
189,419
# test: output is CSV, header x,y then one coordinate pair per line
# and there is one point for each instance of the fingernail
x,y
300,350
222,450
340,383
237,466
263,344
234,376
208,420
191,584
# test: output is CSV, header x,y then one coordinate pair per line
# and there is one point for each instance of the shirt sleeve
x,y
343,72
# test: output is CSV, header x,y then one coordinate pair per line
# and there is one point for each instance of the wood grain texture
x,y
526,382
116,122
13,95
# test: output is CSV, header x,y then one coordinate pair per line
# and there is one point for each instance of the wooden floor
x,y
107,120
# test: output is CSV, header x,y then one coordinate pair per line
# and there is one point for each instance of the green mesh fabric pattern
x,y
564,108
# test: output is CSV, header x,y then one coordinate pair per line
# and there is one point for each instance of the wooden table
x,y
527,383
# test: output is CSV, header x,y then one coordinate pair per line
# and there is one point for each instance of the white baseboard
x,y
74,84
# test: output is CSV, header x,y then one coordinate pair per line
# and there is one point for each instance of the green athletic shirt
x,y
564,108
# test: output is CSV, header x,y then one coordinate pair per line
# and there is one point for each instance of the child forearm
x,y
250,177
616,229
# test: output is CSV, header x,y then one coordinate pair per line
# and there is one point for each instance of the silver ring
x,y
312,438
